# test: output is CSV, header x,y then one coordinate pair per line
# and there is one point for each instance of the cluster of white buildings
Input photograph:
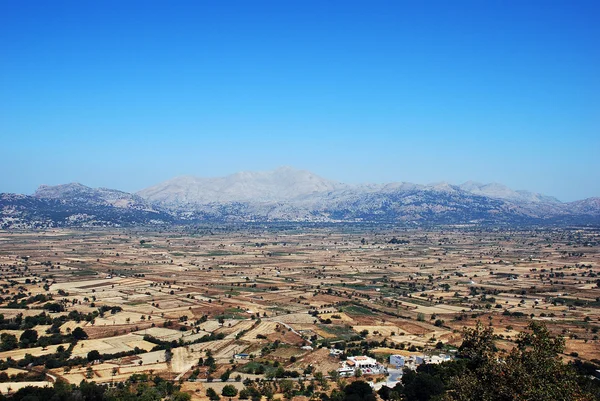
x,y
411,362
370,366
365,364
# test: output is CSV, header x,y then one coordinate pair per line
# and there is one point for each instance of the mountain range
x,y
289,195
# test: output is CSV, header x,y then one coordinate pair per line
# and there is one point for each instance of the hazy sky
x,y
125,94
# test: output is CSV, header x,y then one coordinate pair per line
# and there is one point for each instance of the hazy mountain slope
x,y
77,193
278,185
500,191
586,206
77,205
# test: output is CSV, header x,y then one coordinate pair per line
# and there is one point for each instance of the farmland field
x,y
104,306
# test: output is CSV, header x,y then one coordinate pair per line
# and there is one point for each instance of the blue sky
x,y
125,94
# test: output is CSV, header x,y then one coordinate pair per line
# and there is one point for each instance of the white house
x,y
346,371
335,352
361,362
436,359
397,360
367,365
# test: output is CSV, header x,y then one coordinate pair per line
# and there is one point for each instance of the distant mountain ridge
x,y
286,183
287,194
500,191
282,184
77,193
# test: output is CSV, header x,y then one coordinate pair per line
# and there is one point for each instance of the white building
x,y
436,359
367,365
335,352
346,371
361,362
413,361
397,360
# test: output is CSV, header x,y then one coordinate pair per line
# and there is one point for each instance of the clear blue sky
x,y
125,94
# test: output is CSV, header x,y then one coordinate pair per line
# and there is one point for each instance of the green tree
x,y
181,396
212,394
359,391
225,376
532,371
320,378
229,391
478,344
8,342
287,388
28,338
421,386
79,334
391,394
93,356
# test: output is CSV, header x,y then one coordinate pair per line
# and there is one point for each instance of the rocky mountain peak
x,y
281,184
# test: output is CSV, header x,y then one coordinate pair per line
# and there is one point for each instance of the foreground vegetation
x,y
531,371
138,387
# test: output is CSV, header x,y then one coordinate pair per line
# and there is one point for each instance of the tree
x,y
320,377
229,391
359,391
287,388
531,371
478,344
244,394
181,396
168,355
28,338
93,355
212,394
421,387
54,307
280,372
79,334
334,375
225,376
384,392
8,342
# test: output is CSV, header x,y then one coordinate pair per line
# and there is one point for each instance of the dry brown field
x,y
267,292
